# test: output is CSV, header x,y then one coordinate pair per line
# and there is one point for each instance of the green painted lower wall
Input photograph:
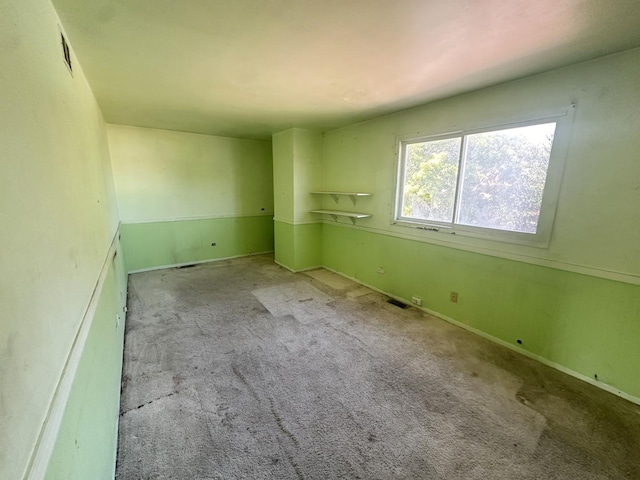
x,y
308,238
587,324
284,244
86,443
298,247
149,245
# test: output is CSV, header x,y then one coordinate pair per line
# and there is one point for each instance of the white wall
x,y
164,175
58,216
307,174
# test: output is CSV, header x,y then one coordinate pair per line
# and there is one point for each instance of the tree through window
x,y
489,180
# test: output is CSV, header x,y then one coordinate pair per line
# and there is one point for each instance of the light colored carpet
x,y
299,299
242,370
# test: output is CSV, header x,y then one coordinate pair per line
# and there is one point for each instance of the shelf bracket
x,y
335,197
353,198
335,217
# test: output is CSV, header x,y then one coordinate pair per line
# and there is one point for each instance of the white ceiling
x,y
253,67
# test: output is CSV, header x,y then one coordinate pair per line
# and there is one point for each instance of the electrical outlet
x,y
416,301
454,297
380,269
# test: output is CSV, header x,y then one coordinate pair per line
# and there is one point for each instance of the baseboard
x,y
115,437
197,262
522,351
306,269
43,449
118,392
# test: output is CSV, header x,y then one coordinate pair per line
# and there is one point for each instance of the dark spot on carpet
x,y
281,426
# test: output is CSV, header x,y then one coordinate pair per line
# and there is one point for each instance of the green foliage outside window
x,y
502,183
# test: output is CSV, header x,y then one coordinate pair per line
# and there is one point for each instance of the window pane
x,y
504,176
431,171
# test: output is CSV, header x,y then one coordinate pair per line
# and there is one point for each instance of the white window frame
x,y
563,118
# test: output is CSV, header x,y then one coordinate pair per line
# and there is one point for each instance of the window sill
x,y
469,234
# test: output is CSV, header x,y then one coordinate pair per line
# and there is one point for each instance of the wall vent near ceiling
x,y
66,52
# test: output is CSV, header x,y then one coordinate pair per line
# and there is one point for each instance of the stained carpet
x,y
242,370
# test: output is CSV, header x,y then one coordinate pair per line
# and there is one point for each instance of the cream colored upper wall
x,y
297,167
597,223
307,174
283,175
165,175
58,215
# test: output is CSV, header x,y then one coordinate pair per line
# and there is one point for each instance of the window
x,y
500,183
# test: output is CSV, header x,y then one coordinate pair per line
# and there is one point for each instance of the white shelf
x,y
339,213
352,195
357,194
